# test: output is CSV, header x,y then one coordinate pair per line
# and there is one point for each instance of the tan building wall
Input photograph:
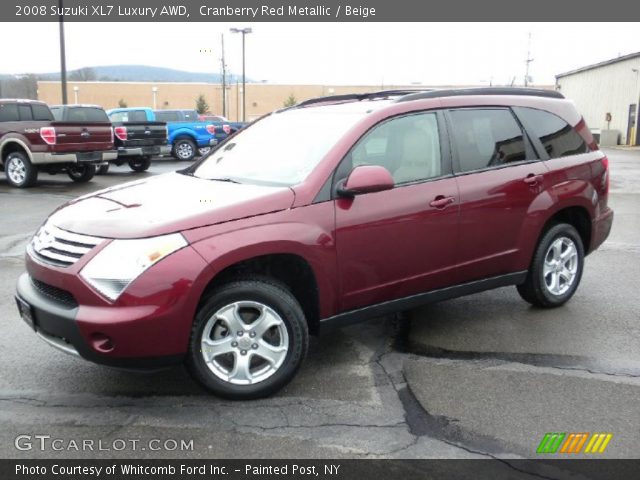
x,y
261,98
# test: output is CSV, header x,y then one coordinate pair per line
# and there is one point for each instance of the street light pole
x,y
63,59
244,32
637,100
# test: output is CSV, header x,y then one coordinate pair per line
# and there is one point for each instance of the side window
x,y
409,147
485,138
24,112
119,116
558,138
8,112
41,113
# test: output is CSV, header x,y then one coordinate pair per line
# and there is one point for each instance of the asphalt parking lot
x,y
481,376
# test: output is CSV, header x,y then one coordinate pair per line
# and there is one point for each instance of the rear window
x,y
167,116
86,114
558,138
130,116
487,138
8,112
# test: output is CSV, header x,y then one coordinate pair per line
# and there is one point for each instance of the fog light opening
x,y
101,343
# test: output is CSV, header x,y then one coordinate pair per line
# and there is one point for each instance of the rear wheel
x,y
140,164
202,151
248,339
19,170
184,149
556,269
81,173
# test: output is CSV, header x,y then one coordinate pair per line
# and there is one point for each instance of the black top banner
x,y
316,11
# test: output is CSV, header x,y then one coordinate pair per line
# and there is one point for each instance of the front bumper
x,y
144,151
80,157
148,327
56,324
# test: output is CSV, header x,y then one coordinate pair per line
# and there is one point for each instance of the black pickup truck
x,y
136,140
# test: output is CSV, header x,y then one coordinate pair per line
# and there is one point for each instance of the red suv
x,y
333,211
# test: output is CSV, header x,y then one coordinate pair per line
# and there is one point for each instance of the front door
x,y
403,241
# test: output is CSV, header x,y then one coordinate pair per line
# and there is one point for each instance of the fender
x,y
571,193
222,247
18,139
182,132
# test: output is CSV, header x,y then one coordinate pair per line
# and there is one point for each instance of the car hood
x,y
165,204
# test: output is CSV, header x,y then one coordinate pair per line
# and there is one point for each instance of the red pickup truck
x,y
32,141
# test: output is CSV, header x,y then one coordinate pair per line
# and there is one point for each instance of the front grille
x,y
54,293
59,247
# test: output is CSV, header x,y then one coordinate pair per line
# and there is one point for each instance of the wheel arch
x,y
291,269
12,144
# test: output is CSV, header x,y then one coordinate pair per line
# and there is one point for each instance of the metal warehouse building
x,y
607,94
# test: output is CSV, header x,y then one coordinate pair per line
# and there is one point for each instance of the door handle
x,y
532,179
441,201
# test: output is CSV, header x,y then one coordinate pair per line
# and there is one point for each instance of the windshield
x,y
281,149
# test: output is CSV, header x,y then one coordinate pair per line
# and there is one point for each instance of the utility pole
x,y
528,62
63,57
224,79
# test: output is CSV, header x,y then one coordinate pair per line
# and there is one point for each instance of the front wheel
x,y
556,269
140,164
248,339
81,173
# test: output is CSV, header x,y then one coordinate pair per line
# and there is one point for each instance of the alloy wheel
x,y
560,266
244,343
16,170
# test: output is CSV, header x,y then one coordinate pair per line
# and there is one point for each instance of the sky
x,y
330,53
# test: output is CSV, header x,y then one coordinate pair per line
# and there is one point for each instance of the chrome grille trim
x,y
61,248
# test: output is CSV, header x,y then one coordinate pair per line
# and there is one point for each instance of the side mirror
x,y
366,179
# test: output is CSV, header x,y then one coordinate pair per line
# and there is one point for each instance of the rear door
x,y
499,177
399,242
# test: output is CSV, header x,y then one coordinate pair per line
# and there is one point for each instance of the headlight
x,y
122,261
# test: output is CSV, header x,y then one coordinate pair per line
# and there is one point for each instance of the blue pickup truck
x,y
187,135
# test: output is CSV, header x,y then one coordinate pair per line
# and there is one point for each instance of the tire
x,y
20,172
102,169
81,173
202,151
286,342
556,268
184,149
140,164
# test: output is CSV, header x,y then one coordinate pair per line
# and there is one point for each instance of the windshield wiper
x,y
226,179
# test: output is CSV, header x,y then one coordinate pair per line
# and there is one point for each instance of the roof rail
x,y
359,96
530,92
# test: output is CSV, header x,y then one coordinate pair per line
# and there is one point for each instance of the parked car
x,y
137,140
31,140
365,208
187,136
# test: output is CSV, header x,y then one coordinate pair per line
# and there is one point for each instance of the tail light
x,y
605,175
121,133
48,134
211,129
227,129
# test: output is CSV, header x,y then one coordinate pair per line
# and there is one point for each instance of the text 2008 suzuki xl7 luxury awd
x,y
333,211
